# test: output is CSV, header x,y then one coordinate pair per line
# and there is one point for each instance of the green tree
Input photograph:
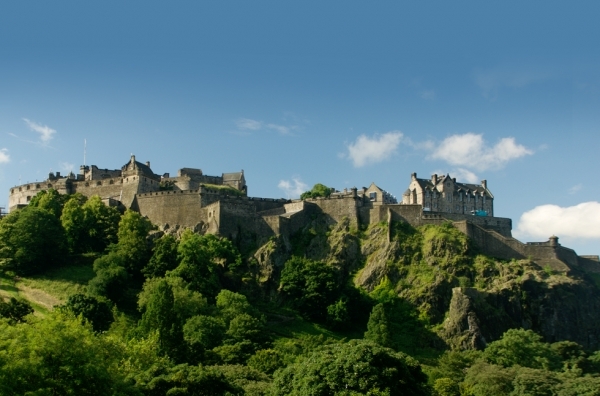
x,y
132,245
102,224
266,361
534,382
484,379
56,355
338,315
203,333
231,304
186,302
73,222
184,379
197,265
310,286
111,280
15,310
378,327
164,257
50,201
318,190
160,316
524,348
352,368
97,311
31,240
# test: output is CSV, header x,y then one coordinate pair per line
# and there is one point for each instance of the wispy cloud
x,y
4,157
247,124
470,151
579,221
292,189
67,166
369,150
489,81
575,189
46,133
427,94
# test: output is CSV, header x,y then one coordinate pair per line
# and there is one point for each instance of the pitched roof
x,y
427,184
233,176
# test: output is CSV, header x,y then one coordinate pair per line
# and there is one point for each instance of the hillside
x,y
179,310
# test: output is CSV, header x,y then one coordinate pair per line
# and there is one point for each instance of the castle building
x,y
446,195
120,186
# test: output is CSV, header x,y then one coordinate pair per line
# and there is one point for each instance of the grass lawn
x,y
60,282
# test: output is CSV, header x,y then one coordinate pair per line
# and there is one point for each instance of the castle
x,y
444,194
221,205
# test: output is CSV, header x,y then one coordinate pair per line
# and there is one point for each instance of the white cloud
x,y
470,151
579,221
247,123
45,131
292,189
575,189
4,157
489,81
465,175
462,175
368,150
284,130
254,125
428,94
67,167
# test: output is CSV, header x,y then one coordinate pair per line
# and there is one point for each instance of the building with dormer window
x,y
445,195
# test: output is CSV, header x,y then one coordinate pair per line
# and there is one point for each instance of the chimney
x,y
413,175
58,175
148,164
484,184
132,158
434,179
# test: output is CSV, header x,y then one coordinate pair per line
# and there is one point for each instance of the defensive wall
x,y
546,254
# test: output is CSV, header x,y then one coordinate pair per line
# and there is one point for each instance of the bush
x,y
97,311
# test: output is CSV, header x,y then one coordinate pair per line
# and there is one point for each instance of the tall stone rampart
x,y
172,207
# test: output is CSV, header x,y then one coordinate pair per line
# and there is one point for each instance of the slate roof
x,y
427,184
233,176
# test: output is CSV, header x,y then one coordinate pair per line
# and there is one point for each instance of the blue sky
x,y
341,93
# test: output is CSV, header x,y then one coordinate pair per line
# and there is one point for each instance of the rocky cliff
x,y
468,299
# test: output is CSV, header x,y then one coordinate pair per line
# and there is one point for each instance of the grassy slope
x,y
49,289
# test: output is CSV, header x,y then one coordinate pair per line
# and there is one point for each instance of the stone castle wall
x,y
172,207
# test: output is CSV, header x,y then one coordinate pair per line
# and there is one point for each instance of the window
x,y
373,196
28,187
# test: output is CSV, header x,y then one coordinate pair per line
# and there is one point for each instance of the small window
x,y
37,186
98,183
49,185
28,198
373,196
28,187
111,181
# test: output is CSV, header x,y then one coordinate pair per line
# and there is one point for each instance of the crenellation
x,y
220,205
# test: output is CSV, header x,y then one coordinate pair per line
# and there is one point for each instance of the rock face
x,y
468,299
556,306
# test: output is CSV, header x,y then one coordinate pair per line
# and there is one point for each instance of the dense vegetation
x,y
188,314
